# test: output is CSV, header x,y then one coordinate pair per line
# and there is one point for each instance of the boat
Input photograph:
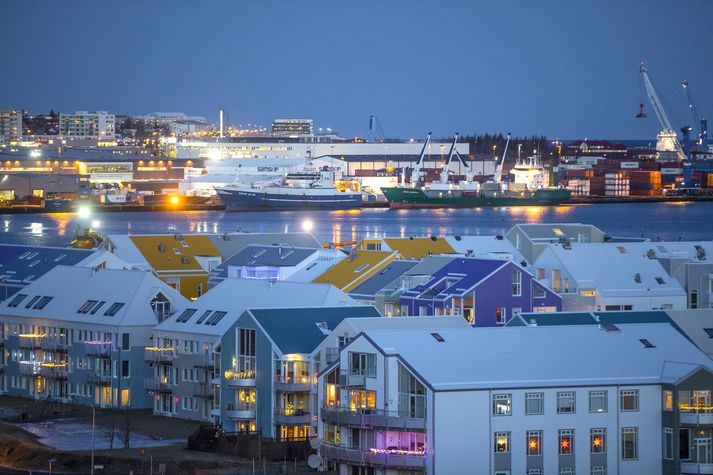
x,y
527,188
304,190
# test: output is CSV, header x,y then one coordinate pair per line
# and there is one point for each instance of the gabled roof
x,y
455,278
555,231
414,248
301,330
230,243
697,325
319,264
258,255
234,296
20,265
169,252
352,271
485,247
121,297
547,356
380,280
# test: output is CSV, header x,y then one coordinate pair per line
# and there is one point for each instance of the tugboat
x,y
311,189
528,188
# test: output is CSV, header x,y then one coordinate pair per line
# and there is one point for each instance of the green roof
x,y
296,330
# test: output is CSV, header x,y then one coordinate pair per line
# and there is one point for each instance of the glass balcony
x,y
289,383
292,416
158,385
100,349
386,458
159,355
99,379
239,411
376,418
203,390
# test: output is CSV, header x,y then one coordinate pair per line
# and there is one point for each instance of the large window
x,y
598,440
629,399
502,404
668,443
668,400
597,401
534,403
363,364
502,442
516,282
412,395
566,441
534,442
246,350
629,443
566,403
361,400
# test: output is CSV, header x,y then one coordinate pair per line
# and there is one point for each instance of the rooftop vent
x,y
226,237
651,254
438,337
178,237
523,263
469,253
411,238
637,278
700,253
161,248
434,238
499,237
457,238
607,238
646,343
566,245
609,328
185,260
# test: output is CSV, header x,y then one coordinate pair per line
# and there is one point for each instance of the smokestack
x,y
221,121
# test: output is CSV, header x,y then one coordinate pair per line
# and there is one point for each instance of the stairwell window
x,y
667,443
629,400
598,441
516,282
566,441
412,395
597,401
502,404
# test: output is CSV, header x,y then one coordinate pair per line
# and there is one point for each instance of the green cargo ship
x,y
401,197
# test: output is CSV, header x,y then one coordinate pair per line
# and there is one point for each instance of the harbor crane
x,y
499,167
416,172
701,124
659,110
446,168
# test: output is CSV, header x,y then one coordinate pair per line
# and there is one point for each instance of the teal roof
x,y
295,330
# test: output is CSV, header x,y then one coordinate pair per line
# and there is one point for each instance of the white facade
x,y
99,125
10,125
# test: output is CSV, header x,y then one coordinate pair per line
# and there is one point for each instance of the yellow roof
x,y
419,248
350,272
166,253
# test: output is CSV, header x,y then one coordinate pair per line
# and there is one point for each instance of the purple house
x,y
485,292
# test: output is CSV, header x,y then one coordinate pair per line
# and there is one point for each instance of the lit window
x,y
566,442
629,400
534,403
502,404
597,401
516,282
502,442
598,441
534,442
629,443
668,400
501,314
566,403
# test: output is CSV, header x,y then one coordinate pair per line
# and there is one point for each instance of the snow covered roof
x,y
488,247
66,293
216,310
550,356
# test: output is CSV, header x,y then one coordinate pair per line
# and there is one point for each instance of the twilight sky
x,y
565,68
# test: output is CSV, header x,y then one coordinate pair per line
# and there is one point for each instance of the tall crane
x,y
416,172
660,112
499,167
701,124
446,168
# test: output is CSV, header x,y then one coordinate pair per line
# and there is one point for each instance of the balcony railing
x,y
239,378
99,349
240,411
54,344
292,416
386,458
372,418
203,390
158,385
30,343
159,355
352,379
99,379
54,371
693,467
292,383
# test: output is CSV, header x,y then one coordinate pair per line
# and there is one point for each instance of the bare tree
x,y
112,431
126,427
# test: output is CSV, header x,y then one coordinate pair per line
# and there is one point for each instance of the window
x,y
629,443
502,404
667,443
565,403
668,400
534,471
566,471
566,441
97,307
125,343
87,306
203,317
115,307
501,315
599,470
597,401
502,442
598,441
534,403
694,299
534,442
412,395
124,369
42,303
538,292
215,318
363,363
684,444
709,331
660,281
186,315
629,400
516,282
16,300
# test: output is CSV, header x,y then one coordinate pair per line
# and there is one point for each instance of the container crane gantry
x,y
701,124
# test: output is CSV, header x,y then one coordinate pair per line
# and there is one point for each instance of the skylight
x,y
60,257
216,317
115,307
32,301
87,306
16,300
42,303
186,315
361,267
660,280
97,307
203,317
709,331
438,337
647,343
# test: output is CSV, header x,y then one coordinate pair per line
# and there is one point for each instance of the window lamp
x,y
502,404
598,440
566,442
502,442
534,442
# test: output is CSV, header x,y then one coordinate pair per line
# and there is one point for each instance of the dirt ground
x,y
22,450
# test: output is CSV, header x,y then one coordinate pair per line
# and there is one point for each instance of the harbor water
x,y
667,221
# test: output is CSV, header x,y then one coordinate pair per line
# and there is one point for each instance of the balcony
x,y
375,457
239,379
159,355
292,416
99,379
240,411
689,467
203,390
352,380
54,345
158,385
54,371
98,349
375,418
696,417
299,384
30,343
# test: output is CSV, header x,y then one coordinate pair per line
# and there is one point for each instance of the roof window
x,y
361,267
42,303
16,300
32,301
709,331
216,317
203,317
660,280
438,337
186,315
115,307
647,343
87,306
60,257
97,307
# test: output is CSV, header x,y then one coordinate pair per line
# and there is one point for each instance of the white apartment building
x,y
627,399
10,125
99,125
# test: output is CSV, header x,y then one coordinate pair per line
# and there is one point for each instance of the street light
x,y
174,200
94,414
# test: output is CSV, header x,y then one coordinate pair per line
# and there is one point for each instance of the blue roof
x,y
381,279
295,330
21,265
547,319
463,274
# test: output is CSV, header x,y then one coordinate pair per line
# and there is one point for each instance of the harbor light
x,y
84,212
96,223
174,200
307,225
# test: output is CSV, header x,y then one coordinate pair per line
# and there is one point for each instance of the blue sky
x,y
566,69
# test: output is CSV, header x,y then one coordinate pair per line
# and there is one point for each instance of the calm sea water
x,y
669,221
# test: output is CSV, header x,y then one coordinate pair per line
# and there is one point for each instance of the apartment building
x,y
99,125
185,376
78,334
624,399
269,372
531,239
10,125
